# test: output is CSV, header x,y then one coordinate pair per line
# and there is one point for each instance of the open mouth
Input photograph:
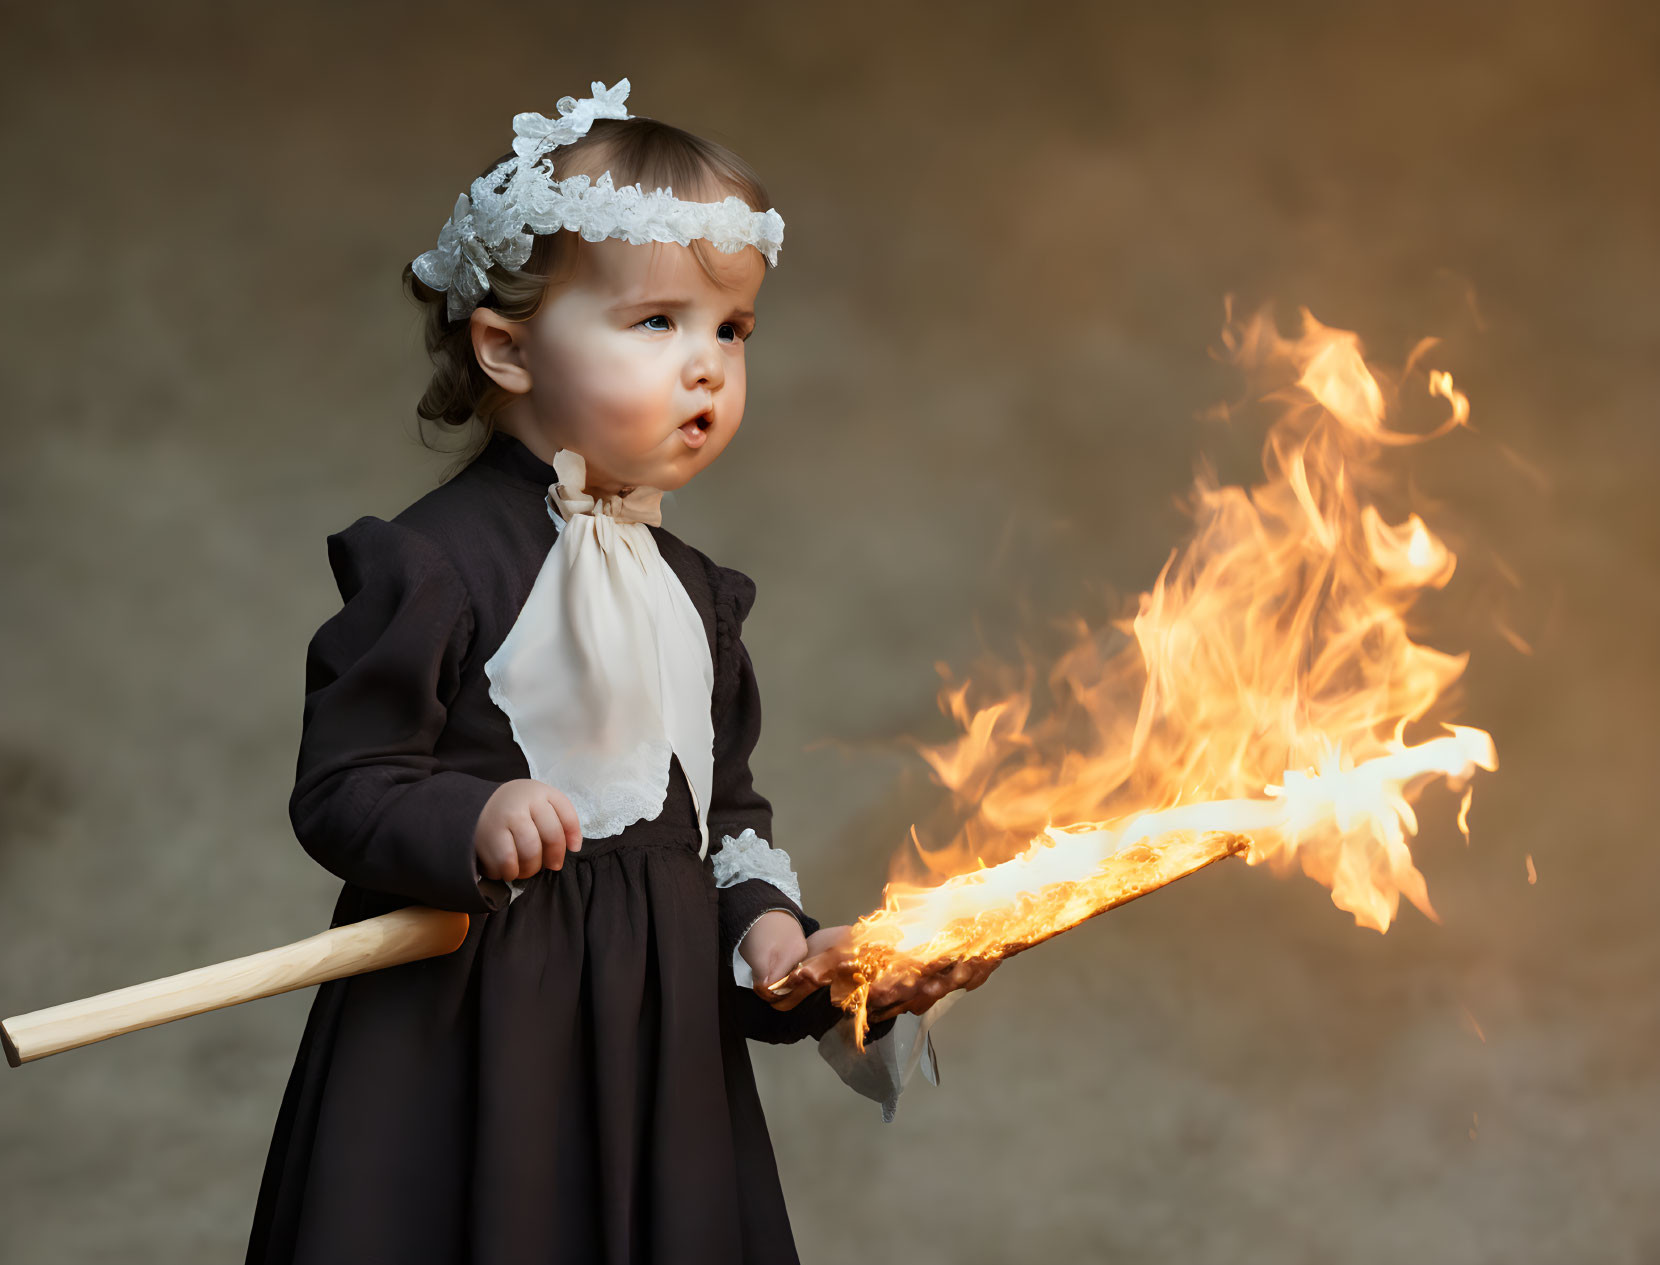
x,y
696,429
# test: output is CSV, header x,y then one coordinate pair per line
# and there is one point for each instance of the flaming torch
x,y
1265,699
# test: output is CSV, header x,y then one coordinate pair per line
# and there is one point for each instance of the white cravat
x,y
607,672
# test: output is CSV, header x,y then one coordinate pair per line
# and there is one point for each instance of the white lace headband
x,y
521,197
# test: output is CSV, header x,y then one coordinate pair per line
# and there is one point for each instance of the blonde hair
x,y
637,150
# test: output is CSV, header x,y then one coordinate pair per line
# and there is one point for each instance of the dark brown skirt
x,y
571,1085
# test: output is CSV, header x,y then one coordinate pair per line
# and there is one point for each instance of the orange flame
x,y
1259,699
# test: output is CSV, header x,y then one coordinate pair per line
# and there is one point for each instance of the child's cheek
x,y
608,388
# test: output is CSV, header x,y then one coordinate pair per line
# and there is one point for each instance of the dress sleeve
x,y
369,803
752,877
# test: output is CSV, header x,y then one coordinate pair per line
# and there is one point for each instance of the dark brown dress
x,y
572,1084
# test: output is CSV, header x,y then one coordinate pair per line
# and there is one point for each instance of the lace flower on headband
x,y
521,198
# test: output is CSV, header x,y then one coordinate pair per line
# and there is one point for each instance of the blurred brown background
x,y
972,402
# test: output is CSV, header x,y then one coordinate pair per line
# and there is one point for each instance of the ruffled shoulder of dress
x,y
372,548
733,591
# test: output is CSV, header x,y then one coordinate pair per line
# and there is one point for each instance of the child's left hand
x,y
829,961
772,948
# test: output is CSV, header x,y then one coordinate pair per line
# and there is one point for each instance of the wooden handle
x,y
404,935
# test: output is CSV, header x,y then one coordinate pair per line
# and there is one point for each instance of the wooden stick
x,y
404,935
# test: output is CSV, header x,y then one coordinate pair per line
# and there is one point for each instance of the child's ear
x,y
496,345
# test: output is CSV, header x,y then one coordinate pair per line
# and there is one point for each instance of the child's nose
x,y
706,368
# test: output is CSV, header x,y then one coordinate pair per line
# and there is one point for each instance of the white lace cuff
x,y
750,856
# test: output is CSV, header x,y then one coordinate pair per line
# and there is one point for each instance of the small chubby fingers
x,y
501,855
527,844
550,833
566,812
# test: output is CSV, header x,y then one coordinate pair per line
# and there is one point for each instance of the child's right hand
x,y
526,826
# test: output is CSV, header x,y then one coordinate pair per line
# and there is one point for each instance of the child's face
x,y
626,353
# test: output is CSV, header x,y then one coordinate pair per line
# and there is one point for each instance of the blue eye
x,y
728,332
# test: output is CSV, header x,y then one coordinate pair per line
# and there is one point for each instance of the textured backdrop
x,y
973,392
